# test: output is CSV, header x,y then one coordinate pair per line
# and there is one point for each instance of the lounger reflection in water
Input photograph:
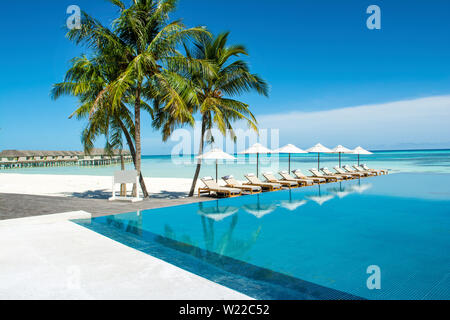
x,y
271,178
212,186
248,188
304,182
299,174
253,180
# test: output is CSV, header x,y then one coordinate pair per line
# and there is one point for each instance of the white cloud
x,y
408,124
417,123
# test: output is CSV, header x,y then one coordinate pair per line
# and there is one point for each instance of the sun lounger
x,y
317,174
299,174
271,178
348,169
353,174
233,183
304,182
322,172
253,180
382,171
328,173
212,186
359,169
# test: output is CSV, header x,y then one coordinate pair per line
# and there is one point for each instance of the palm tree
x,y
86,79
139,47
211,94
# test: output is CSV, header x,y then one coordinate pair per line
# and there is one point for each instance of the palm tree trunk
x,y
137,128
133,153
123,186
199,163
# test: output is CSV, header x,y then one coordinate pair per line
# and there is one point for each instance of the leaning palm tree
x,y
211,94
86,79
143,43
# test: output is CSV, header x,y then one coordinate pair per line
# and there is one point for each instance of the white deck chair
x,y
121,177
317,174
359,169
343,172
381,171
350,170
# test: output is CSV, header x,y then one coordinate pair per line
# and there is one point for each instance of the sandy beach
x,y
98,187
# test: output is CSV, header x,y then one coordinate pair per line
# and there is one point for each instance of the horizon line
x,y
377,150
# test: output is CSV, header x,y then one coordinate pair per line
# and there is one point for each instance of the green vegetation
x,y
136,65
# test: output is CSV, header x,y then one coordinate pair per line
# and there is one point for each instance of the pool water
x,y
308,243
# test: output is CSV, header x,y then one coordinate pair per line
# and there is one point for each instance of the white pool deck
x,y
50,257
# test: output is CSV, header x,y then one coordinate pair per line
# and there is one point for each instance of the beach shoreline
x,y
84,186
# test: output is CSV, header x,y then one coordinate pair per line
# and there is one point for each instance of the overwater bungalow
x,y
10,159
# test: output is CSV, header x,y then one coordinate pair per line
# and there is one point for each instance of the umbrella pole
x,y
257,165
318,161
339,159
358,160
289,163
217,175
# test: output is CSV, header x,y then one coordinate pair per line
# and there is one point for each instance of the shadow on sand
x,y
106,194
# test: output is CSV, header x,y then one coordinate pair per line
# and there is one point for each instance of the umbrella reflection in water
x,y
360,188
216,213
292,205
226,244
259,210
321,199
342,192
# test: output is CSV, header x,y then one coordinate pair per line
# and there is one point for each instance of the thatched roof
x,y
12,154
102,152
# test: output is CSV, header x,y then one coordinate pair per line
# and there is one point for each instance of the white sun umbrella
x,y
360,151
289,149
340,149
257,149
318,148
216,154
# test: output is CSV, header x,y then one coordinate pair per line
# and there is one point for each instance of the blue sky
x,y
317,56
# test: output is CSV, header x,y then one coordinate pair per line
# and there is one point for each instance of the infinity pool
x,y
308,243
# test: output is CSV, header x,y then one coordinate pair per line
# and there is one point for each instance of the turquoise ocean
x,y
424,161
